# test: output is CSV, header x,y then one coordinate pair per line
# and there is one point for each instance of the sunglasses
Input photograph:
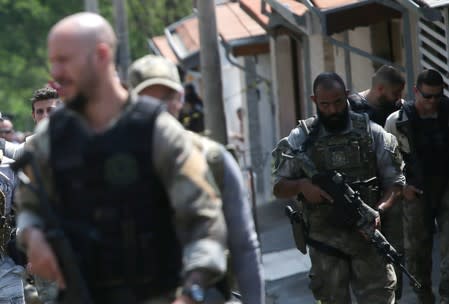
x,y
429,96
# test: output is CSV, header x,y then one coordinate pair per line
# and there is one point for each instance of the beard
x,y
388,106
86,89
334,123
77,103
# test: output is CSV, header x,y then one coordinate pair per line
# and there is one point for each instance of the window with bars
x,y
434,45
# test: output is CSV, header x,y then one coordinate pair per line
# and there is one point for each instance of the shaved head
x,y
88,27
81,50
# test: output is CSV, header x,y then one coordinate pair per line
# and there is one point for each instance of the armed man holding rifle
x,y
341,140
117,196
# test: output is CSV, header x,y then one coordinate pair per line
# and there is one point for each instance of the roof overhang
x,y
160,46
183,38
248,46
342,15
241,34
255,9
425,8
357,14
336,16
436,3
292,11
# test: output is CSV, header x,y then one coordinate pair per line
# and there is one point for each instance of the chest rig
x,y
113,207
350,153
428,140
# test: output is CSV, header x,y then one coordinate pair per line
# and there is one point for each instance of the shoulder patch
x,y
306,125
391,145
283,146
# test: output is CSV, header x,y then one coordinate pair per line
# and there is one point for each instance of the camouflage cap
x,y
150,70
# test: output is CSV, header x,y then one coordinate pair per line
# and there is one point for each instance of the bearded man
x,y
342,140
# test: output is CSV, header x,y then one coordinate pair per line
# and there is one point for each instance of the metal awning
x,y
183,38
436,3
339,16
335,16
291,10
160,46
425,8
248,46
242,34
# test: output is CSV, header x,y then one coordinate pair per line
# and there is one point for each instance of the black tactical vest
x,y
429,139
113,206
359,104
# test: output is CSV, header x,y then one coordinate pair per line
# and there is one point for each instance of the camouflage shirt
x,y
385,146
183,171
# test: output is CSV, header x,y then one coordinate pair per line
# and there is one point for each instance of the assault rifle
x,y
76,290
356,212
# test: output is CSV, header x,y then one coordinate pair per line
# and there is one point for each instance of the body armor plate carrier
x,y
113,207
350,153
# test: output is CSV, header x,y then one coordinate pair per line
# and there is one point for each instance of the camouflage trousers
x,y
371,279
420,216
393,229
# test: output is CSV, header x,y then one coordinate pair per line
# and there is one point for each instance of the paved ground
x,y
286,269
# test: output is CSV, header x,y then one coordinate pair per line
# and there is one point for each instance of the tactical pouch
x,y
298,226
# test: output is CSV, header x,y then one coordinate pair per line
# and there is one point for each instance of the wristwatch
x,y
194,292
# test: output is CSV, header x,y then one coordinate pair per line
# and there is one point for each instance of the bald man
x,y
133,193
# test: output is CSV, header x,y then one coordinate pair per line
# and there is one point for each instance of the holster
x,y
298,226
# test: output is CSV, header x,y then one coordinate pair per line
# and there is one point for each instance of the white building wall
x,y
361,67
274,84
267,125
316,57
234,96
232,92
261,163
339,56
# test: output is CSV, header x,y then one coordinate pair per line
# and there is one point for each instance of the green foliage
x,y
148,18
24,25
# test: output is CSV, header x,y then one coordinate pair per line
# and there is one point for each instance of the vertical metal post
x,y
409,71
91,6
347,56
308,75
211,72
121,28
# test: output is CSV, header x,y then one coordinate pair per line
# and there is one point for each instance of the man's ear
x,y
103,52
313,97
